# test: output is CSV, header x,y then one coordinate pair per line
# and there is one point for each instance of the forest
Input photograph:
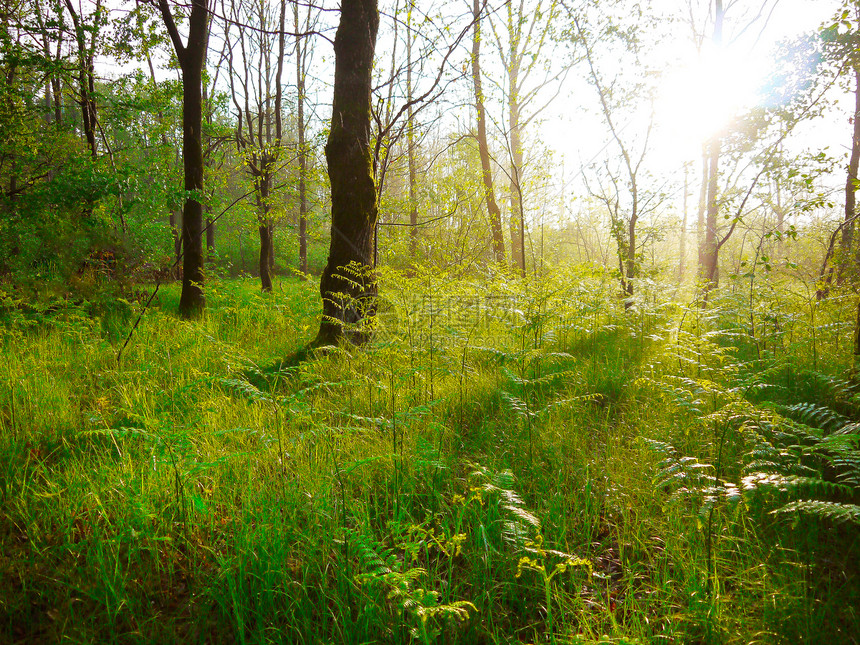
x,y
413,321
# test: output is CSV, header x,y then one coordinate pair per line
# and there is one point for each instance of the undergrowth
x,y
505,462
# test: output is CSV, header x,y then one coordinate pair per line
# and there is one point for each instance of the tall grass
x,y
495,467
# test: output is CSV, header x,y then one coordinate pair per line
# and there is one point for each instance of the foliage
x,y
193,487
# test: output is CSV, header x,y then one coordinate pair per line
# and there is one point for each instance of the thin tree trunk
x,y
517,224
300,100
210,238
851,181
498,242
632,268
347,286
410,145
780,219
682,251
710,250
271,250
700,216
174,219
709,267
86,73
856,356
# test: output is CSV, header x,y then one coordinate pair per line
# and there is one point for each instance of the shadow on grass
x,y
269,377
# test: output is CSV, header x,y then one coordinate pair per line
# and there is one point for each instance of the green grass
x,y
479,474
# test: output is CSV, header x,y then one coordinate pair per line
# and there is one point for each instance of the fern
x,y
817,416
833,511
806,451
383,571
519,522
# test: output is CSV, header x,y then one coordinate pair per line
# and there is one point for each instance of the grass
x,y
479,474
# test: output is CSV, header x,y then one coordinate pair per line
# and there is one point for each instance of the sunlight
x,y
699,99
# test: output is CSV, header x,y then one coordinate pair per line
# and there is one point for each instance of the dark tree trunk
x,y
495,214
263,186
191,57
192,300
86,73
265,252
347,286
58,100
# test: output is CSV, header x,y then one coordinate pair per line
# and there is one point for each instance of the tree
x,y
302,57
841,41
493,211
522,50
623,195
710,249
410,138
192,57
716,199
347,286
257,91
86,68
682,245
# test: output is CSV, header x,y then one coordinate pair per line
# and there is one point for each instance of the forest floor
x,y
505,462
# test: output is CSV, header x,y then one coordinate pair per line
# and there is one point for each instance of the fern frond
x,y
817,416
793,484
833,511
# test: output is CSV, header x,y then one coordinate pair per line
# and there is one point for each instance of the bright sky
x,y
696,95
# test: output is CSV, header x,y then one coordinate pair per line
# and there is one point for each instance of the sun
x,y
698,99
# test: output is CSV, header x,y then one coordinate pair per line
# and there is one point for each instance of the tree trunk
x,y
271,250
263,189
495,214
347,285
210,238
191,57
300,100
780,218
177,238
192,300
517,224
682,251
86,73
851,181
265,251
709,269
410,146
700,217
856,356
847,225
